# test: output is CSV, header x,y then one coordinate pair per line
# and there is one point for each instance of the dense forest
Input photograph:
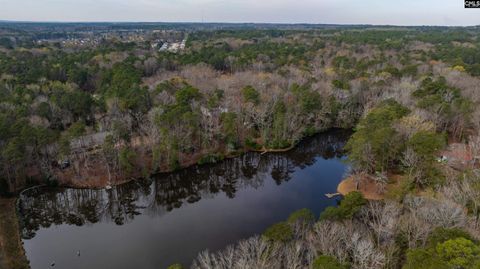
x,y
100,115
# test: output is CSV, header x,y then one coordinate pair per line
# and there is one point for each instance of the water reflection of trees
x,y
46,207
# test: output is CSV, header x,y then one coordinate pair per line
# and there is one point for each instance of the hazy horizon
x,y
371,12
245,22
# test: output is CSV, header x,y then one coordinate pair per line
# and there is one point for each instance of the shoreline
x,y
12,253
365,186
458,155
66,179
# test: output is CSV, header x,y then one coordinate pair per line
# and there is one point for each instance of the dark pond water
x,y
150,224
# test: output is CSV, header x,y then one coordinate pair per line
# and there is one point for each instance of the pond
x,y
152,223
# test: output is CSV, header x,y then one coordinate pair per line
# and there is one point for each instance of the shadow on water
x,y
198,196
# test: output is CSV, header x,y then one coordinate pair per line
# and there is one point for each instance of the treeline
x,y
135,110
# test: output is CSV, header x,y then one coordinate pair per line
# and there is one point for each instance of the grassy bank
x,y
12,254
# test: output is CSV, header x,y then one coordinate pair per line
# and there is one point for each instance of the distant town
x,y
161,40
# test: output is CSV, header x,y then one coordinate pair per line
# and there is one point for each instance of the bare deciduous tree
x,y
414,229
253,253
465,194
411,160
382,218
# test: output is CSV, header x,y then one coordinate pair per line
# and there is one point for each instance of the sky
x,y
400,12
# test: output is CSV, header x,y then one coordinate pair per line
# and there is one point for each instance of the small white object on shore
x,y
331,195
